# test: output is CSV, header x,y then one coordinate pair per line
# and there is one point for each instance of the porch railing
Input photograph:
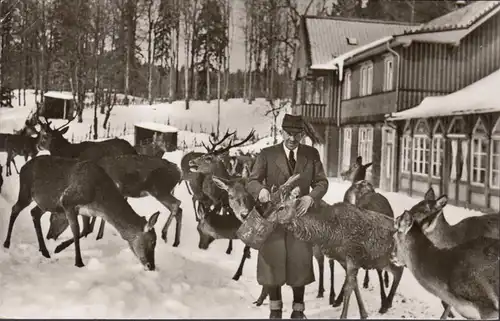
x,y
311,110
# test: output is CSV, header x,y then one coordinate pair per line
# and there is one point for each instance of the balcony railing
x,y
311,110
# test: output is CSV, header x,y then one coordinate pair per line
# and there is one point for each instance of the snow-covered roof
x,y
66,95
338,62
157,127
480,97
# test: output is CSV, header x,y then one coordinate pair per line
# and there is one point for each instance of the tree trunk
x,y
218,96
228,18
207,70
150,52
173,68
96,67
42,69
187,42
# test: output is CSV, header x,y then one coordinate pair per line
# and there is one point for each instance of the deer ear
x,y
64,131
221,183
430,195
441,202
151,222
367,165
359,160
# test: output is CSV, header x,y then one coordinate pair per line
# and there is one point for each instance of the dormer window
x,y
352,41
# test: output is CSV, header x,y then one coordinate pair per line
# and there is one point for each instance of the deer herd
x,y
458,263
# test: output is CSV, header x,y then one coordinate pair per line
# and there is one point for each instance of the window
x,y
346,148
366,82
406,160
365,146
388,73
495,163
437,155
315,91
479,154
347,85
421,155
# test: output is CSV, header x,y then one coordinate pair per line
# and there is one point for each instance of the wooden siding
x,y
368,109
436,69
378,75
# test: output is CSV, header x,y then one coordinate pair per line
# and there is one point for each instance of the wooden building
x,y
58,104
317,88
452,143
165,134
397,72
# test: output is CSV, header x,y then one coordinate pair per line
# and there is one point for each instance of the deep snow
x,y
189,282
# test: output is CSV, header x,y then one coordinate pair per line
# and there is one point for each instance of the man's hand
x,y
264,196
305,202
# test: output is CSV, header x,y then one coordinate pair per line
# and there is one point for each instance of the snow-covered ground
x,y
189,282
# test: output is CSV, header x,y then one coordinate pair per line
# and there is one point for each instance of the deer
x,y
75,188
465,276
136,176
20,143
429,215
52,139
213,163
242,202
240,163
355,237
355,173
362,194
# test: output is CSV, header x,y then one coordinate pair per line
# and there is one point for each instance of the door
x,y
388,159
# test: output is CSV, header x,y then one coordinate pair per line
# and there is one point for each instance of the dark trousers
x,y
298,293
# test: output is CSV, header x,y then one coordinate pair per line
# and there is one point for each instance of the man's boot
x,y
298,311
276,309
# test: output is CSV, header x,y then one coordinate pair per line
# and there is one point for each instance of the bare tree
x,y
151,23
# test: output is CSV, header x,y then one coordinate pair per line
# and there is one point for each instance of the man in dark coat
x,y
284,259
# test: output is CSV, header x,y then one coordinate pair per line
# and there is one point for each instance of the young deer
x,y
465,277
137,176
357,171
52,139
242,202
363,195
20,143
429,215
355,237
65,185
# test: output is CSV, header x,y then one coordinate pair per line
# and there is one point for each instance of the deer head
x,y
143,243
215,159
58,224
357,190
400,252
50,137
357,170
429,209
240,200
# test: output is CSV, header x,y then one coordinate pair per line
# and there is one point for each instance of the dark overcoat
x,y
283,258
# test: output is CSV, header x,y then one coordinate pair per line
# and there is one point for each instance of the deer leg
x,y
349,285
72,216
361,306
383,297
263,295
398,273
92,223
239,272
23,201
173,205
331,262
366,280
8,170
100,233
321,267
86,229
386,279
36,215
447,311
229,247
15,166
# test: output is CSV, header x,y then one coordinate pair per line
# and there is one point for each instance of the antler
x,y
231,145
67,123
217,143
